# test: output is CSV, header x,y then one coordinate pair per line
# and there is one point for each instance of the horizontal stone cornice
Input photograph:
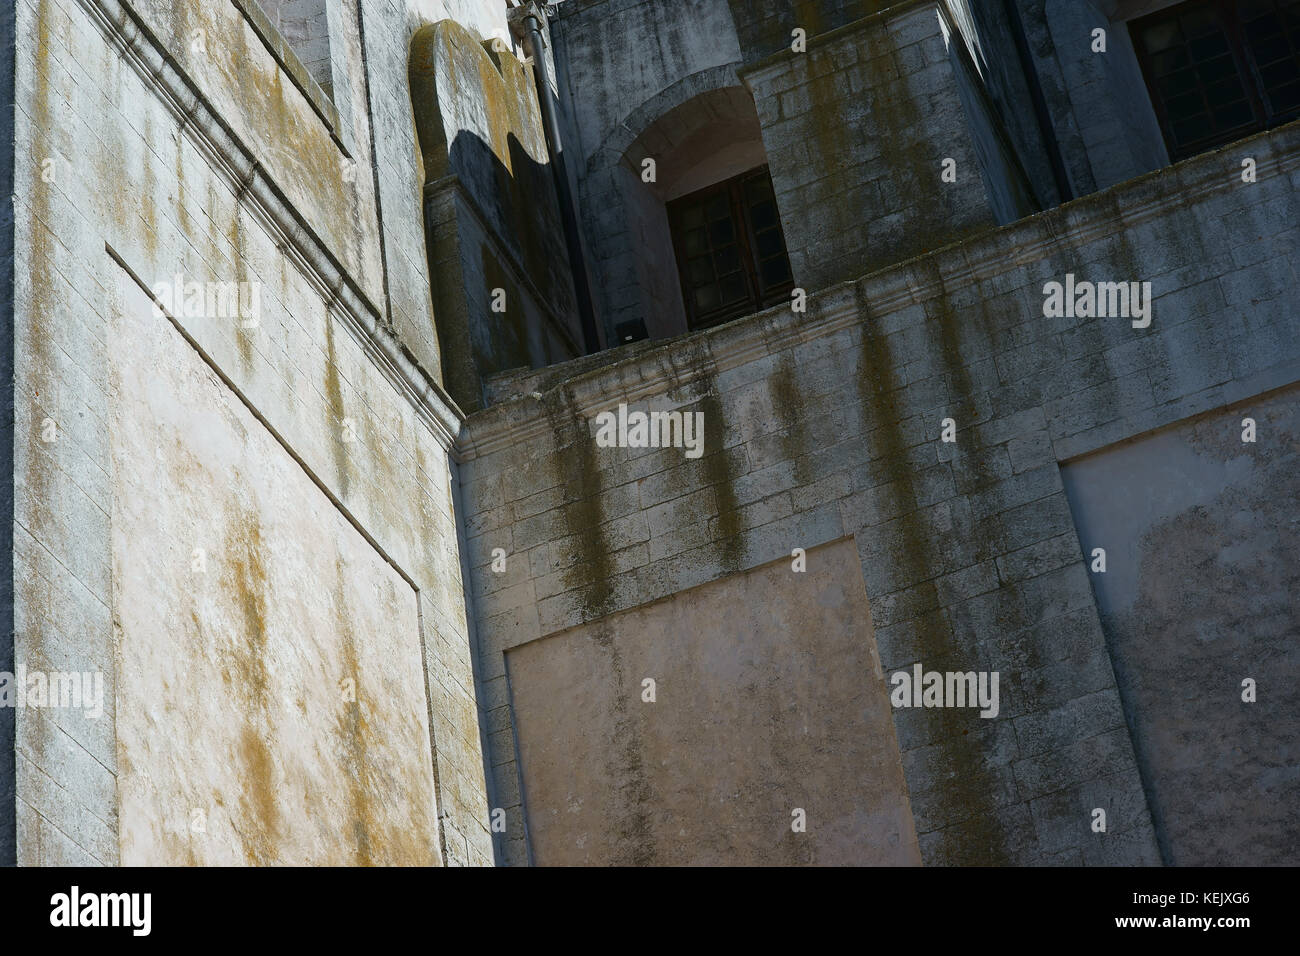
x,y
253,186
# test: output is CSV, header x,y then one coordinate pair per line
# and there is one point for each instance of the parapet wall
x,y
828,425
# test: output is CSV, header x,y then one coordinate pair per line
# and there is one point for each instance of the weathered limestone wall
x,y
141,157
827,425
857,129
7,63
156,138
1200,593
278,692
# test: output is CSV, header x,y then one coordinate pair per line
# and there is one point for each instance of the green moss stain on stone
x,y
717,473
243,336
248,584
834,143
144,196
900,127
878,390
788,403
965,793
351,730
950,326
35,487
714,468
182,209
578,470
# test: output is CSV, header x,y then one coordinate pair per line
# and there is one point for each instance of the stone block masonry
x,y
856,130
143,153
339,622
827,425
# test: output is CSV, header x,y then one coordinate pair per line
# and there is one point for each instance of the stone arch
x,y
708,138
700,130
638,120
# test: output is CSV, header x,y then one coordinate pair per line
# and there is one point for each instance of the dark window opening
x,y
730,249
1219,70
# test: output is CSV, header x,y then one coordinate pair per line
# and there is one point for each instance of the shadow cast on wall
x,y
501,285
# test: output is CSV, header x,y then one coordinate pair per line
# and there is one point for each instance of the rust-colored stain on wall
x,y
271,707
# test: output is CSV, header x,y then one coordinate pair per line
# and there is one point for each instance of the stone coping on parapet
x,y
573,8
296,70
233,160
633,373
814,40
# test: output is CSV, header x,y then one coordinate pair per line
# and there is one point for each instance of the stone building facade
x,y
317,312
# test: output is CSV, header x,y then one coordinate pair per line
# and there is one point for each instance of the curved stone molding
x,y
640,120
505,297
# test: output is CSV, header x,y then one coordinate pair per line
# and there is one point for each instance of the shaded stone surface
x,y
1202,591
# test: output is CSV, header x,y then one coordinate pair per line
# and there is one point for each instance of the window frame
x,y
758,295
1228,16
